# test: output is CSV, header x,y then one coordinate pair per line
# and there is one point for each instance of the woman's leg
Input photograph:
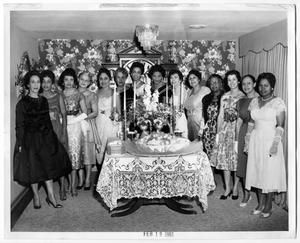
x,y
261,200
80,178
36,198
49,186
73,180
268,202
62,189
235,186
246,192
227,182
88,170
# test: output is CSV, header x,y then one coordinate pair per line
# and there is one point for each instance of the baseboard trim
x,y
19,205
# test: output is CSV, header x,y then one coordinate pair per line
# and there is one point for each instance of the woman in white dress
x,y
266,166
178,90
193,104
106,120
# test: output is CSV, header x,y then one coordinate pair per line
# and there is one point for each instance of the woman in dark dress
x,y
38,155
58,117
157,74
248,85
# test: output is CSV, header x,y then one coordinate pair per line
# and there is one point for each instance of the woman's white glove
x,y
277,139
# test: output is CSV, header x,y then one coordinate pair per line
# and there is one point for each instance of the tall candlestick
x,y
115,97
134,99
181,95
125,111
167,93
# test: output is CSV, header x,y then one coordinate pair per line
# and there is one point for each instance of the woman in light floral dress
x,y
224,154
75,105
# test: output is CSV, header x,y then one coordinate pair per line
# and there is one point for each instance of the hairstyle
x,y
49,74
138,65
28,76
121,70
174,71
196,73
217,76
268,76
67,72
156,68
102,70
238,76
83,72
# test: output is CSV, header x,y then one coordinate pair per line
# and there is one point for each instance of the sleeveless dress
x,y
265,172
224,156
54,108
74,130
90,137
105,126
180,118
244,114
193,105
42,156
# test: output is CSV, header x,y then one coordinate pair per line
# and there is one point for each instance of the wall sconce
x,y
147,35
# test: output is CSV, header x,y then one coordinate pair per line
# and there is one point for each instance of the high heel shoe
x,y
265,215
79,187
36,206
57,205
256,211
62,195
244,204
235,197
223,197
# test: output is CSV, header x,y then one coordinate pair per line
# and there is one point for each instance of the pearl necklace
x,y
262,99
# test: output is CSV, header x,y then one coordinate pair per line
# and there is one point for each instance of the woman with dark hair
x,y
211,107
90,136
38,156
157,74
266,165
175,79
224,154
193,104
108,115
248,86
136,72
76,112
58,117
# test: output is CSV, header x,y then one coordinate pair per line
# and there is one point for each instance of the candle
x,y
167,92
124,108
134,94
181,94
125,111
173,96
115,97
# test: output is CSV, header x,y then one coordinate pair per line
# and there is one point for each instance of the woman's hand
x,y
20,149
273,149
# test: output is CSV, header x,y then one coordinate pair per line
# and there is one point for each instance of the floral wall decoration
x,y
87,55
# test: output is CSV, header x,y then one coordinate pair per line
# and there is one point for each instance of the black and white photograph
x,y
150,120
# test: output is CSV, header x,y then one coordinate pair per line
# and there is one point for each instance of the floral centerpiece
x,y
149,112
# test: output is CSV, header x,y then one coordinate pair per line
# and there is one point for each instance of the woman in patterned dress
x,y
224,154
193,104
91,141
75,106
248,85
57,112
106,120
211,107
265,166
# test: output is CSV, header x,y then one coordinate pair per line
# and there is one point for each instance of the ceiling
x,y
221,24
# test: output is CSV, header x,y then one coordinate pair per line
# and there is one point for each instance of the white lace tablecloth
x,y
127,176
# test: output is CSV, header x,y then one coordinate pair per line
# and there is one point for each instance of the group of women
x,y
61,135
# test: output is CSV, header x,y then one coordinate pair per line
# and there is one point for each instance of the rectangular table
x,y
129,176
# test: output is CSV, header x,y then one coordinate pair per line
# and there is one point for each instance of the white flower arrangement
x,y
150,100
